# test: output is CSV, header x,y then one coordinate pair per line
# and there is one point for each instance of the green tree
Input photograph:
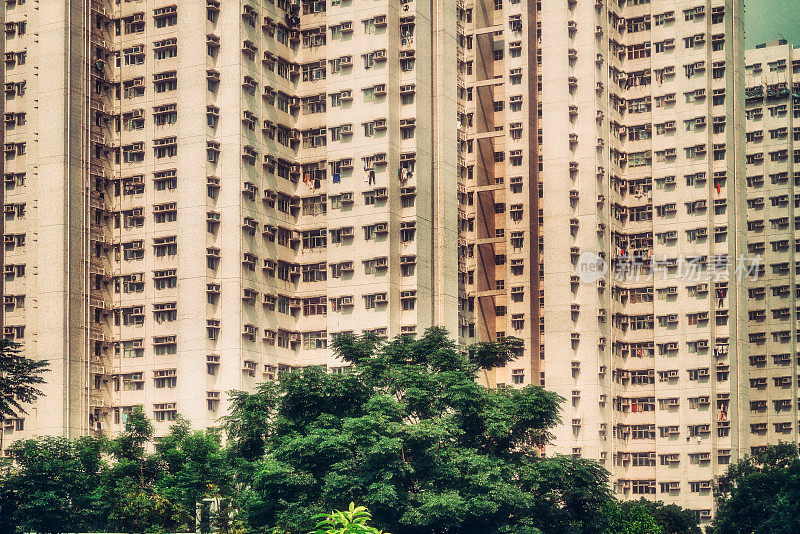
x,y
407,431
159,491
19,377
195,468
760,494
130,502
631,518
670,517
53,484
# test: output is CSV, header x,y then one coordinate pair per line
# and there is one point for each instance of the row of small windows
x,y
780,155
756,136
778,111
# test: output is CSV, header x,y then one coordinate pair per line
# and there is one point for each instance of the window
x,y
407,231
134,23
166,147
166,18
165,279
132,349
133,55
518,376
165,312
132,382
164,412
165,180
164,345
165,81
165,49
165,379
643,432
369,26
165,246
315,306
373,300
165,115
661,19
313,71
315,238
407,265
315,340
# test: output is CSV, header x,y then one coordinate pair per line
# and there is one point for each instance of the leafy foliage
x,y
408,432
60,485
54,485
761,493
351,521
670,517
634,519
19,377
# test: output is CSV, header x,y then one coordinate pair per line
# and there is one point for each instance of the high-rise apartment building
x,y
772,97
642,169
199,194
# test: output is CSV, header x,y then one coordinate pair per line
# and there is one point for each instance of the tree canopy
x,y
408,432
94,484
405,431
760,494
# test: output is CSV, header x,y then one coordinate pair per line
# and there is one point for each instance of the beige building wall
x,y
640,165
45,299
235,184
772,95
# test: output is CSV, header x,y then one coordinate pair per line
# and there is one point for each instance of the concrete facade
x,y
198,196
772,99
642,168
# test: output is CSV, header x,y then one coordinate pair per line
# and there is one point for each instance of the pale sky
x,y
768,20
